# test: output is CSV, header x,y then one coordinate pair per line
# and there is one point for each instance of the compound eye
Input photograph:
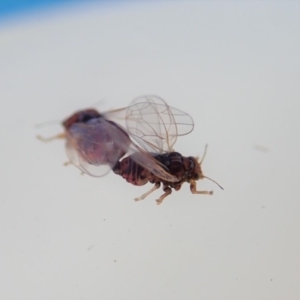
x,y
196,176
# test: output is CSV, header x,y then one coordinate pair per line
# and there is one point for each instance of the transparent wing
x,y
94,147
146,160
155,125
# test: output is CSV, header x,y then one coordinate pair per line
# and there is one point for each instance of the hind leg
x,y
167,191
154,188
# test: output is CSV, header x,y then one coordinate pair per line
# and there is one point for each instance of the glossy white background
x,y
235,68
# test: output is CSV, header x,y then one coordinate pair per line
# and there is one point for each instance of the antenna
x,y
43,124
99,102
205,150
213,181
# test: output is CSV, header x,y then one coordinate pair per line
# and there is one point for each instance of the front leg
x,y
193,188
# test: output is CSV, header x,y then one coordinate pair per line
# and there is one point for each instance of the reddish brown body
x,y
185,169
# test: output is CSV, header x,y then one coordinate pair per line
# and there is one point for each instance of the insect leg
x,y
167,191
58,136
193,188
177,187
68,163
156,186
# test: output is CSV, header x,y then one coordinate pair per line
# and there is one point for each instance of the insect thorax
x,y
82,116
182,167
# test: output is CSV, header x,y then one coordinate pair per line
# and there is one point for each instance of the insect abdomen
x,y
132,171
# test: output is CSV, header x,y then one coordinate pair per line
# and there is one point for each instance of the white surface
x,y
235,68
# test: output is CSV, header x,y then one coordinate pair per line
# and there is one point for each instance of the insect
x,y
90,142
95,144
155,126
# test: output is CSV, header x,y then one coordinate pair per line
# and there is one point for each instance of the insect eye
x,y
196,176
195,169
